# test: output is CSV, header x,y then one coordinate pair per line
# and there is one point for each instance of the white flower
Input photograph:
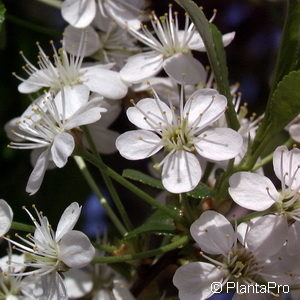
x,y
101,281
47,126
171,51
257,192
107,42
104,138
49,253
242,255
80,13
68,71
183,136
6,217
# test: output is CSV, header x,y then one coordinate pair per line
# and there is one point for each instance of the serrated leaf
x,y
212,39
285,102
143,178
158,223
288,57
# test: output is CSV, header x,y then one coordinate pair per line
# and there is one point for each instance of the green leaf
x,y
201,191
288,57
158,223
285,102
212,39
143,178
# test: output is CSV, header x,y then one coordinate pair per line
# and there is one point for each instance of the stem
x,y
53,3
163,249
22,227
188,212
106,248
114,195
252,216
89,179
133,188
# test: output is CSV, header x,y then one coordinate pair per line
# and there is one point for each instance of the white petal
x,y
287,166
157,114
105,82
62,147
79,13
204,107
249,190
294,131
293,245
75,249
72,37
37,175
34,82
121,290
122,15
78,283
67,220
185,69
181,172
16,260
142,66
196,43
87,114
213,233
194,280
219,144
71,99
138,144
53,287
104,139
267,235
6,217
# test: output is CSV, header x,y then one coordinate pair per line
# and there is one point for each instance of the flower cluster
x,y
206,156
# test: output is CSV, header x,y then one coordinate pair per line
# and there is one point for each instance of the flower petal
x,y
204,107
213,233
267,235
53,287
121,290
62,147
194,280
293,244
185,69
71,99
104,139
36,177
79,13
196,43
123,16
219,144
67,220
75,249
294,132
104,82
87,114
252,191
142,66
72,37
34,82
6,217
78,283
181,172
287,166
138,144
150,114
